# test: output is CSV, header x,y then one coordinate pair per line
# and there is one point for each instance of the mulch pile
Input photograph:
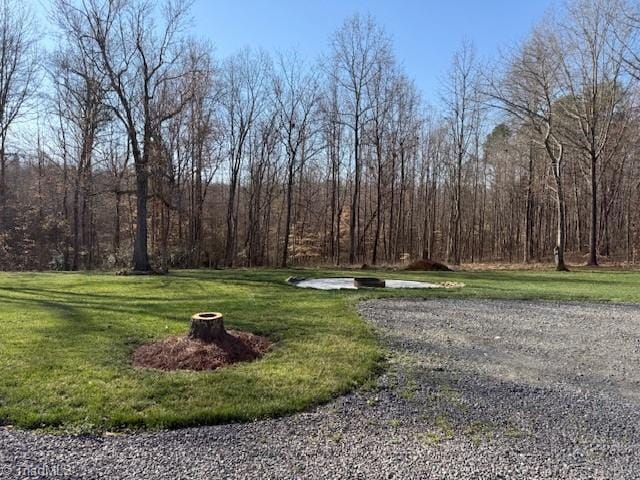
x,y
427,264
184,353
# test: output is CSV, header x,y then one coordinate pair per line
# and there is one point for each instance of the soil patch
x,y
184,353
429,265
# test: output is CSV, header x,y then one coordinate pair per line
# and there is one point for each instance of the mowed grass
x,y
66,341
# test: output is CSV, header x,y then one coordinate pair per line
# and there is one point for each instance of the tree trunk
x,y
528,229
3,183
287,224
593,234
355,201
376,238
455,243
75,262
140,253
561,236
229,254
116,226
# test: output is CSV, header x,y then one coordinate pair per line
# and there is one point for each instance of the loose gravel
x,y
473,389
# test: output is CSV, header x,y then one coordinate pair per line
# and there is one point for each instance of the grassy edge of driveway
x,y
67,338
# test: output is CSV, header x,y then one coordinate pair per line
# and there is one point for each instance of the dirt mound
x,y
184,353
428,265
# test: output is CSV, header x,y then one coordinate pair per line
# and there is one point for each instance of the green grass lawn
x,y
66,341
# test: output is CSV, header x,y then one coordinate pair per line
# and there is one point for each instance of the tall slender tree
x,y
140,59
18,78
357,48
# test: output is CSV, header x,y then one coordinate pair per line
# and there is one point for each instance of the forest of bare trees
x,y
130,145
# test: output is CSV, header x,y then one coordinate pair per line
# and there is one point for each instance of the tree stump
x,y
368,282
207,326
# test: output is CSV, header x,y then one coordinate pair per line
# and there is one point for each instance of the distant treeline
x,y
147,151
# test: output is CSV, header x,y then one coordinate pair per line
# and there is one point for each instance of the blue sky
x,y
425,33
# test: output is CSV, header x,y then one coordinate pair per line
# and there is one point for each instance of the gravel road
x,y
474,389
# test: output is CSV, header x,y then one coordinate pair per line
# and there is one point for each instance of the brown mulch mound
x,y
427,264
184,353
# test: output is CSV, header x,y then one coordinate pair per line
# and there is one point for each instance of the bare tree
x,y
296,96
358,48
332,133
204,142
263,182
80,91
402,149
140,60
118,156
244,89
236,161
18,69
461,105
530,91
596,87
380,92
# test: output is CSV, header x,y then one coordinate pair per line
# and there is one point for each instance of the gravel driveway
x,y
473,389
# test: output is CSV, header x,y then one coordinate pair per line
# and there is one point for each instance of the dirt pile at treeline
x,y
427,264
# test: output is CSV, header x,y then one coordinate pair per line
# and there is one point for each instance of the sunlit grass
x,y
66,341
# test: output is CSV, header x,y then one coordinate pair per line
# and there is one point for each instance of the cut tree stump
x,y
207,326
